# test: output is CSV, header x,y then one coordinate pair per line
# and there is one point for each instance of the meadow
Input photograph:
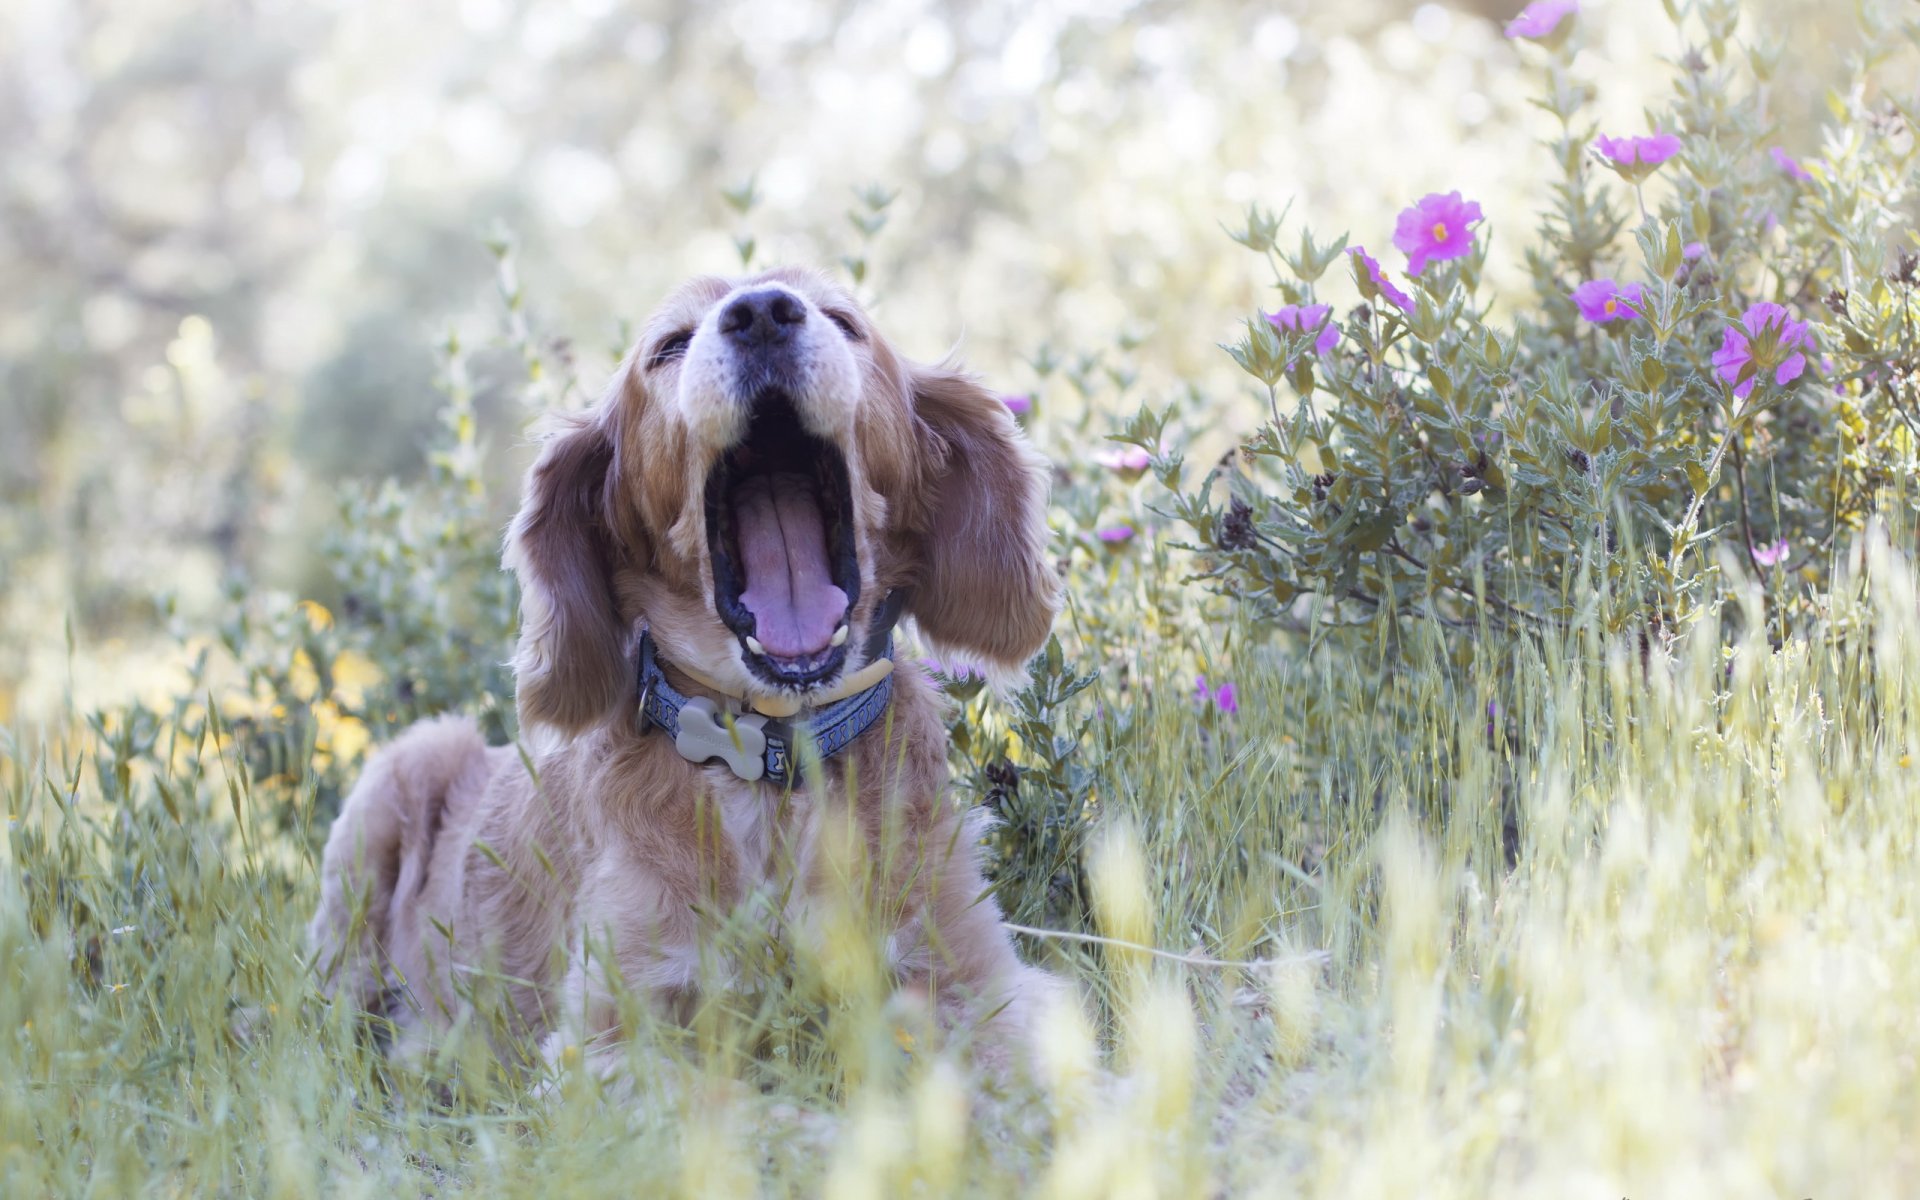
x,y
1687,972
1477,758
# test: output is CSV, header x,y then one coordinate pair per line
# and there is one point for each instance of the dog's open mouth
x,y
786,571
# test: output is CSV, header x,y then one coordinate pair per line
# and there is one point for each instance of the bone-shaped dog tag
x,y
704,735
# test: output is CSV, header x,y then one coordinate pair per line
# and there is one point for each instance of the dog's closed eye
x,y
670,348
847,325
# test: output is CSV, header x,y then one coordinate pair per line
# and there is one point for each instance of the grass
x,y
1648,929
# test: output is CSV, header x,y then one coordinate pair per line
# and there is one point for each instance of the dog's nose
x,y
758,318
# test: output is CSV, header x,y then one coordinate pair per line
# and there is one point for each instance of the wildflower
x,y
1436,227
1115,535
1539,20
1766,337
1603,300
1648,151
1635,158
1771,556
1693,250
1374,282
1225,697
1785,162
1017,404
1306,318
1129,462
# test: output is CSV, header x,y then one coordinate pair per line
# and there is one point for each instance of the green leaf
x,y
1373,533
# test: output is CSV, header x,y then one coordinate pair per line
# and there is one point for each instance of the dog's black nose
x,y
757,318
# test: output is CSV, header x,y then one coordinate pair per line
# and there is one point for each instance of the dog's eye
x,y
846,325
669,349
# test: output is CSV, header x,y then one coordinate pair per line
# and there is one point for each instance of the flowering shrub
x,y
1725,350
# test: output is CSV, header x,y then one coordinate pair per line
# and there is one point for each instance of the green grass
x,y
1652,934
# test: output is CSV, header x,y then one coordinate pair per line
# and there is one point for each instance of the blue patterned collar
x,y
754,747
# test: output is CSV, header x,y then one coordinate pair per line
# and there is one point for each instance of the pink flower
x,y
1305,318
1603,300
1639,151
1115,535
1693,250
1017,404
1771,556
1436,227
1785,162
1766,337
1636,157
1129,461
1224,697
1374,282
1539,19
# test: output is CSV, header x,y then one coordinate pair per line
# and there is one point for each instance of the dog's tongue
x,y
783,549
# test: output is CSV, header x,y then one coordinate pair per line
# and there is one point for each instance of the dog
x,y
711,562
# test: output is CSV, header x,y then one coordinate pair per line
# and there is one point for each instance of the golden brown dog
x,y
763,487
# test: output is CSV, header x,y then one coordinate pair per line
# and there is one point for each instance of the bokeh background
x,y
233,234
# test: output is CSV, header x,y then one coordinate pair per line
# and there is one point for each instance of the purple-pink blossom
x,y
1766,337
1540,19
1019,404
1224,697
1115,535
1603,300
1130,461
1771,556
1637,157
1374,282
1786,163
1436,227
1306,318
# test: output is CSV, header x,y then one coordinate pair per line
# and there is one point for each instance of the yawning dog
x,y
711,563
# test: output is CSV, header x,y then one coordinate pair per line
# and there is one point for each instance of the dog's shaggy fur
x,y
608,865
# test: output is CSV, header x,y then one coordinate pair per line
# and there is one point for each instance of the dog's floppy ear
x,y
571,668
985,588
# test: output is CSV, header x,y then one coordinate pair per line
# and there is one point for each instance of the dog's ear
x,y
984,588
571,667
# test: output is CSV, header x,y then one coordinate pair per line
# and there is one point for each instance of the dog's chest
x,y
763,831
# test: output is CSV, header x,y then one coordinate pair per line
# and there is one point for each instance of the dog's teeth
x,y
839,636
753,644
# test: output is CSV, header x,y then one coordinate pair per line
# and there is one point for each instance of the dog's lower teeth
x,y
753,644
839,636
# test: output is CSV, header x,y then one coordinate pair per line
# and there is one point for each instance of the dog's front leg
x,y
615,985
